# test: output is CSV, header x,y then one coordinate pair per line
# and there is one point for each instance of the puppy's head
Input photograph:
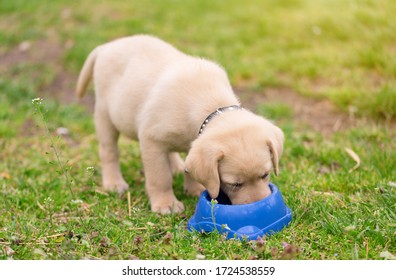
x,y
238,159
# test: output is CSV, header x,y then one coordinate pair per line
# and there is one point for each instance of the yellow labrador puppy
x,y
172,102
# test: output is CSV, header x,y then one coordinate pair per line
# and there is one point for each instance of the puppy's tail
x,y
86,74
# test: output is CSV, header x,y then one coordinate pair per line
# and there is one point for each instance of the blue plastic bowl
x,y
245,221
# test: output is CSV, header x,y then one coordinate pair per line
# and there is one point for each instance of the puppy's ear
x,y
202,164
275,146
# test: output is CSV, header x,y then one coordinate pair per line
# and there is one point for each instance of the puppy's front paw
x,y
167,207
119,186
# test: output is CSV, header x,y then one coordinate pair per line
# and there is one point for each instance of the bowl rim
x,y
274,193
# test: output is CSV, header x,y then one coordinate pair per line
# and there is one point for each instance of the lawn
x,y
338,53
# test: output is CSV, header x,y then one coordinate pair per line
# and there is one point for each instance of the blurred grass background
x,y
342,50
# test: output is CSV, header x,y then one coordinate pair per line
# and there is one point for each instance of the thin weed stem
x,y
214,202
38,106
56,152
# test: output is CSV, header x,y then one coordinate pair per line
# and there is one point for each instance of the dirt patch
x,y
50,53
320,115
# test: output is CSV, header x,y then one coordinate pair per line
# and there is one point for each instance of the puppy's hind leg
x,y
192,187
176,162
108,151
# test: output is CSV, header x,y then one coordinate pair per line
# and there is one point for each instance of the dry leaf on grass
x,y
387,255
200,257
8,251
355,157
5,175
392,184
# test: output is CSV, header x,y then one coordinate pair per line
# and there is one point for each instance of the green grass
x,y
50,207
337,214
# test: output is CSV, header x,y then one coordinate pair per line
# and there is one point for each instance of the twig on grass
x,y
129,204
355,157
40,206
101,192
136,202
139,228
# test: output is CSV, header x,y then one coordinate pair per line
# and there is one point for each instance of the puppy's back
x,y
138,51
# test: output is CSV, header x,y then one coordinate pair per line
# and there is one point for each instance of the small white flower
x,y
62,131
90,169
37,101
48,200
225,226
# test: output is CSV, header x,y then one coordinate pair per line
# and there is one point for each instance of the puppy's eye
x,y
236,185
264,176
